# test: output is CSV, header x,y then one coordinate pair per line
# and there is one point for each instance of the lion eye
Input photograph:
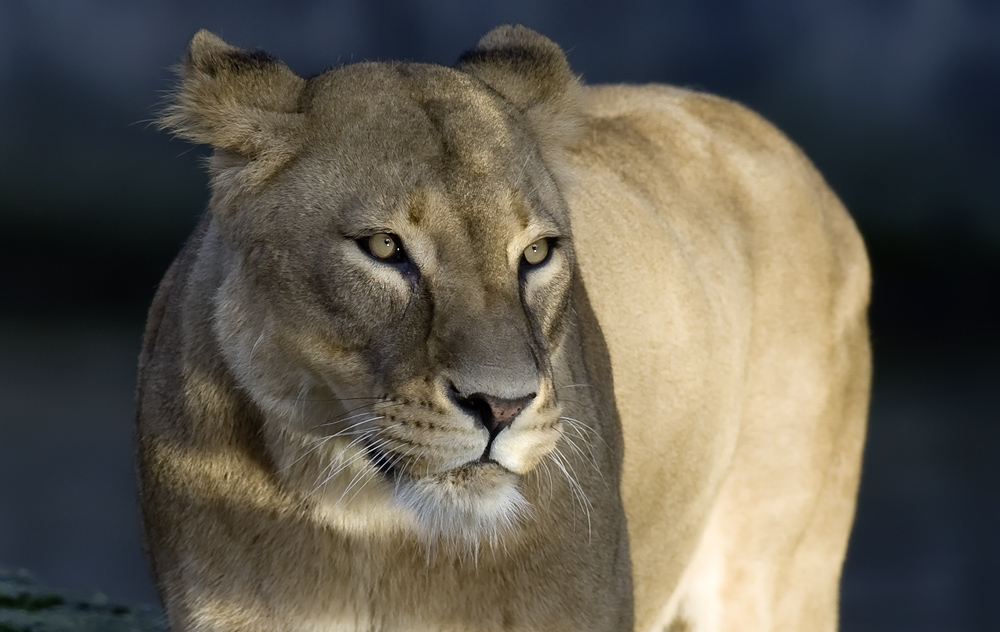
x,y
384,245
537,252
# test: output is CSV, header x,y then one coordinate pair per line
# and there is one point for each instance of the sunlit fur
x,y
681,380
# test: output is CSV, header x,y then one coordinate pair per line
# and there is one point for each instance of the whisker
x,y
369,475
382,460
580,385
346,417
524,165
253,350
353,413
579,425
585,434
588,456
590,459
576,402
575,489
336,468
378,445
320,442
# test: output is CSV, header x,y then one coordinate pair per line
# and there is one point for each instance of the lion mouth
x,y
474,500
387,464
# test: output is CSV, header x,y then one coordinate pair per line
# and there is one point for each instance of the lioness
x,y
481,348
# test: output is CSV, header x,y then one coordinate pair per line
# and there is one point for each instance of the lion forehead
x,y
413,113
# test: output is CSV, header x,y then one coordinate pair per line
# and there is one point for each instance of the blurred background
x,y
897,102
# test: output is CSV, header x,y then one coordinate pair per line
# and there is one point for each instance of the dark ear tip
x,y
521,64
206,44
516,43
204,37
516,36
210,54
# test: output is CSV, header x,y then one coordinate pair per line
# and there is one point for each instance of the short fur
x,y
692,358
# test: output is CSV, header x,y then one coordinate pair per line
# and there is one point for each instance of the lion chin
x,y
473,503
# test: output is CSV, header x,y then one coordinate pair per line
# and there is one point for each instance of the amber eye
x,y
537,252
384,245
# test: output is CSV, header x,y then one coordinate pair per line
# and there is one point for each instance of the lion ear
x,y
243,102
530,71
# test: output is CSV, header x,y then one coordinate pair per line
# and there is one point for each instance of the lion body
x,y
752,349
693,354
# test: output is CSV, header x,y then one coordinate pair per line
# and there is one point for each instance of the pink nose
x,y
495,413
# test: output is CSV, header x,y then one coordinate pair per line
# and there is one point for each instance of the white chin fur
x,y
471,504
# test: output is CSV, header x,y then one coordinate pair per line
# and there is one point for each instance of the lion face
x,y
395,294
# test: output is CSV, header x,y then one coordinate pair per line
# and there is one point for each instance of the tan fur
x,y
693,355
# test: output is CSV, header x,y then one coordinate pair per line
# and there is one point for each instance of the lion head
x,y
395,259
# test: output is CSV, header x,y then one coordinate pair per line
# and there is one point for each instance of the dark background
x,y
897,102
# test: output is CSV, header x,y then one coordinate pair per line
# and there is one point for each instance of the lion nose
x,y
495,413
